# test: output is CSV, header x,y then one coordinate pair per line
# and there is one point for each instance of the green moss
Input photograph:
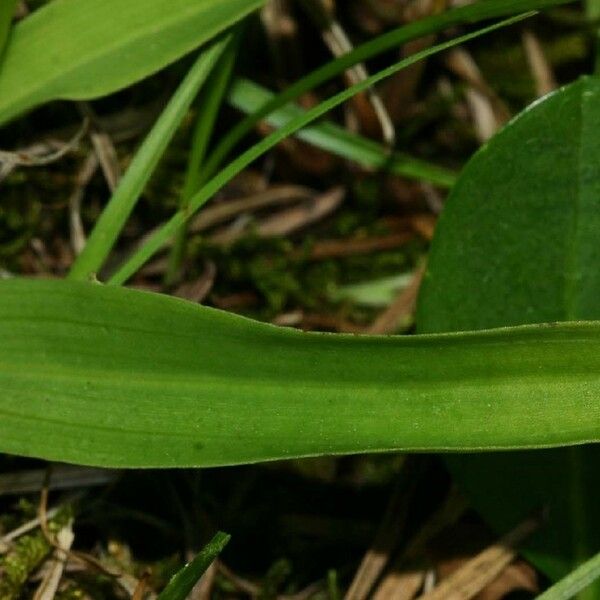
x,y
25,556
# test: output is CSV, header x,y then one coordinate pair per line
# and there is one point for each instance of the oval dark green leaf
x,y
519,242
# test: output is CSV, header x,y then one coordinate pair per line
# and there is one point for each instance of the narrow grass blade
x,y
209,105
7,11
183,582
226,174
117,211
575,582
110,376
471,13
248,96
82,49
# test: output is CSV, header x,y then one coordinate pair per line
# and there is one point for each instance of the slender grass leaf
x,y
183,582
249,97
582,577
471,13
164,233
81,49
209,104
519,242
117,211
7,11
110,376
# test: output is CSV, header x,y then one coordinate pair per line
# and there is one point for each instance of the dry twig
x,y
545,82
40,154
51,580
401,308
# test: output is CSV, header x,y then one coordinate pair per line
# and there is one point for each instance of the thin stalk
x,y
579,513
593,15
208,109
117,211
168,229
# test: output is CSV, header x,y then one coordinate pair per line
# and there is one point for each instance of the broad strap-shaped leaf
x,y
109,376
519,242
80,49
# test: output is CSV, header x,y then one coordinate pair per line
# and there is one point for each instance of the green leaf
x,y
249,97
81,49
110,376
209,107
117,211
165,231
574,582
7,11
519,242
183,582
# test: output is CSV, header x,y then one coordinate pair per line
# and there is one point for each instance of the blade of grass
x,y
183,582
248,96
211,99
575,582
7,11
162,235
118,209
469,14
111,376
